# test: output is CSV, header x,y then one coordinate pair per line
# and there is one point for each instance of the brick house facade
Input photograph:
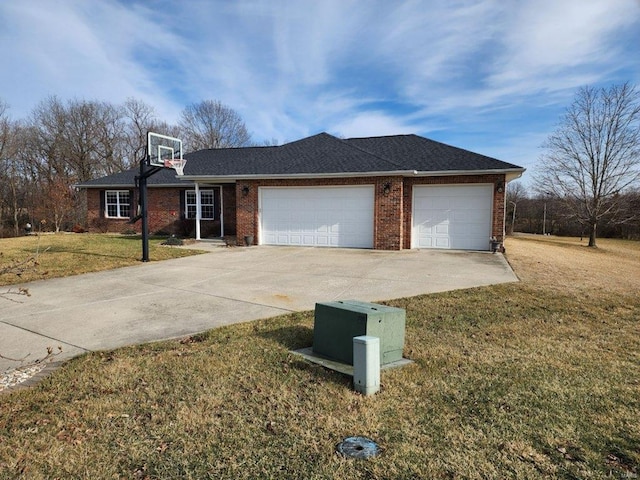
x,y
166,212
237,182
392,216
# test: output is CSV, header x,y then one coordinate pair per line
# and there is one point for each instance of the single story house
x,y
391,193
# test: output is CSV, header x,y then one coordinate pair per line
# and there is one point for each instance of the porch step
x,y
213,241
209,243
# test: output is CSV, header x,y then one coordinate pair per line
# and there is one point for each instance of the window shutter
x,y
217,192
103,200
132,210
183,205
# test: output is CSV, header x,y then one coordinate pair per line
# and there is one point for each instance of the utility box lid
x,y
336,323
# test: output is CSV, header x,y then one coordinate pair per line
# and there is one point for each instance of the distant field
x,y
613,267
532,380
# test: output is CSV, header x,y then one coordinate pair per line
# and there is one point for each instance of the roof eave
x,y
132,185
294,176
511,174
515,174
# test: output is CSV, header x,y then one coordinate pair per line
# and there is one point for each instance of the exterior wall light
x,y
500,187
245,190
386,189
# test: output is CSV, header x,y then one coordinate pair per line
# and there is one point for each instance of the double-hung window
x,y
117,204
207,210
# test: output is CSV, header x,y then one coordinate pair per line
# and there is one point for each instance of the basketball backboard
x,y
165,151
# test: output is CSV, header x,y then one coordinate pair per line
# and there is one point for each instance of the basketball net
x,y
177,164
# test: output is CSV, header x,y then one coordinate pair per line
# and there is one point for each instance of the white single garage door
x,y
317,216
452,216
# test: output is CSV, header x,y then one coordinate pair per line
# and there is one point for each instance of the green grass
x,y
524,380
64,254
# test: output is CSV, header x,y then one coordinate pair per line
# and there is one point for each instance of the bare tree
x,y
140,119
4,177
516,192
61,144
210,124
79,140
272,142
11,185
594,154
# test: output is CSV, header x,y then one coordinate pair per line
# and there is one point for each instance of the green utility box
x,y
336,323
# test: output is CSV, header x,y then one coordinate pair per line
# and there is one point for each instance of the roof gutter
x,y
514,175
130,185
295,176
507,171
511,173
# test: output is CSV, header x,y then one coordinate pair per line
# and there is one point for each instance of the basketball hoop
x,y
177,164
165,151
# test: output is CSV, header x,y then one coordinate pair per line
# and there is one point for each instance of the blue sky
x,y
491,76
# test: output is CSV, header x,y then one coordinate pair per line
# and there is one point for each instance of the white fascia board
x,y
295,176
129,185
510,173
116,186
171,185
507,171
515,175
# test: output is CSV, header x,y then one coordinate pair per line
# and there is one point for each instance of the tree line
x,y
587,180
591,163
529,211
62,144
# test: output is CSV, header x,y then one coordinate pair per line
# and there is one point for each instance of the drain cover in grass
x,y
358,447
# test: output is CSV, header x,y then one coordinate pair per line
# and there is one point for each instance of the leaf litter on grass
x,y
530,380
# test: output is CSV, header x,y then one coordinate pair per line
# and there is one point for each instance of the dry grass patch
x,y
65,254
532,380
568,263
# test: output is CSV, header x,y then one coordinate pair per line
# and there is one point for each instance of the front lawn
x,y
44,256
538,379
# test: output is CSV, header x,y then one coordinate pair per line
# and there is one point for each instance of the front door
x,y
210,221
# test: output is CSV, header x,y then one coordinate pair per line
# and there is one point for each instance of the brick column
x,y
499,208
388,214
246,211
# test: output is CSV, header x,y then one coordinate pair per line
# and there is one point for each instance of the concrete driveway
x,y
173,298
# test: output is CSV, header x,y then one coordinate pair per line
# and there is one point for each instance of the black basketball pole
x,y
143,211
141,180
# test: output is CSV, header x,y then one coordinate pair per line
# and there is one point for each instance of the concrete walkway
x,y
173,298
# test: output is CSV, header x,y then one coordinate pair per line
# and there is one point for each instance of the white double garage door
x,y
444,216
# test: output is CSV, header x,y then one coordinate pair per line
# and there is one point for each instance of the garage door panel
x,y
442,242
437,204
322,240
426,243
442,229
452,216
317,216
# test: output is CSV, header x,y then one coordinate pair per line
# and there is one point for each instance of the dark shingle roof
x,y
324,154
412,152
164,177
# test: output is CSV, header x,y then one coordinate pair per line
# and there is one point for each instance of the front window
x,y
207,210
117,203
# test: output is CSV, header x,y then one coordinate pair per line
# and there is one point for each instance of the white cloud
x,y
552,40
293,68
78,49
372,124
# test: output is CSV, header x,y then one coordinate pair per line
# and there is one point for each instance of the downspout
x,y
197,211
221,212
